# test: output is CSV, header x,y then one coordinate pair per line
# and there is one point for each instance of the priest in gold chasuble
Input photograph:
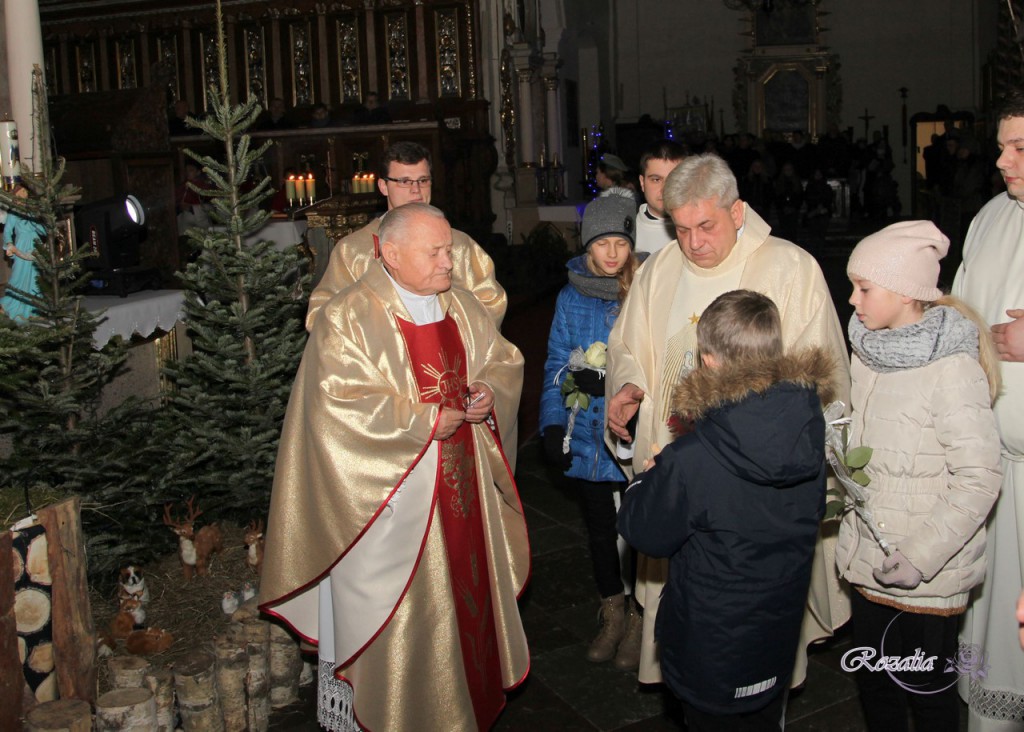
x,y
396,540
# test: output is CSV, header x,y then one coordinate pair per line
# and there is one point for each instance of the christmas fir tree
x,y
58,440
228,398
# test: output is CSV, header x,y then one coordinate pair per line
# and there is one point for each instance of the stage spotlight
x,y
135,210
112,229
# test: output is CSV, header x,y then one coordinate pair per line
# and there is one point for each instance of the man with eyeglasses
x,y
405,177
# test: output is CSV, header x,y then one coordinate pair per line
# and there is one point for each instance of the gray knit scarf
x,y
943,331
603,288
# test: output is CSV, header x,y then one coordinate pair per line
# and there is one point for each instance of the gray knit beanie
x,y
614,162
609,216
903,258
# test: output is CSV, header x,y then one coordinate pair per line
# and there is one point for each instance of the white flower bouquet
x,y
594,358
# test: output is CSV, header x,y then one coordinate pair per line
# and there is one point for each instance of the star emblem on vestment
x,y
694,319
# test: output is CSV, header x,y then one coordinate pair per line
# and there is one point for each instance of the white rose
x,y
597,354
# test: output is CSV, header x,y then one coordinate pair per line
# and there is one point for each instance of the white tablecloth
x,y
140,313
285,233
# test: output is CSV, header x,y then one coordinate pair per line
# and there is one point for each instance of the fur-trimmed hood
x,y
762,420
705,389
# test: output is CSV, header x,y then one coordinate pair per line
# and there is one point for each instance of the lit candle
x,y
311,188
356,183
300,188
289,188
371,182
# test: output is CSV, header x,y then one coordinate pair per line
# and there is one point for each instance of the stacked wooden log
x,y
72,652
253,666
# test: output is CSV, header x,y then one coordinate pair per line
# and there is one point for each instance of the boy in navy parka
x,y
735,503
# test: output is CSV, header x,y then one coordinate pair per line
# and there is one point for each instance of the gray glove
x,y
897,571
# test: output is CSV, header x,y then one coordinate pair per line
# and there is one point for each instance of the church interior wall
x,y
667,51
693,45
620,59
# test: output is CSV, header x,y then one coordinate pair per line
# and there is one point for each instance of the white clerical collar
x,y
424,309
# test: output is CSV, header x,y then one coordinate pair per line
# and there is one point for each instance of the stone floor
x,y
564,692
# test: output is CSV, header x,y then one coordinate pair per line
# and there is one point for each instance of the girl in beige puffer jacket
x,y
924,378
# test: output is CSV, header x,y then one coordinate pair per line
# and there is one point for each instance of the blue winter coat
x,y
579,321
736,505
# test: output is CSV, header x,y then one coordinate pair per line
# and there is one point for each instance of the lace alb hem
x,y
334,702
1000,704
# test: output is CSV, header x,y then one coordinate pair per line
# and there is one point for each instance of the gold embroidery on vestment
x,y
450,387
456,470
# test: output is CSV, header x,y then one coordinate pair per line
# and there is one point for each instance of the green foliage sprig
x,y
854,461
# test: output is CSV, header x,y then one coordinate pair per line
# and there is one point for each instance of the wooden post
x,y
12,680
161,682
63,715
197,694
257,685
257,682
285,667
126,710
127,672
232,670
74,636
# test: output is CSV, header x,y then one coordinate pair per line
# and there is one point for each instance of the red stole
x,y
439,362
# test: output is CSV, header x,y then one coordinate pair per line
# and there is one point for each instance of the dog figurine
x,y
133,584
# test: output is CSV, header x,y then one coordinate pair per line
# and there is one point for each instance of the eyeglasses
x,y
410,182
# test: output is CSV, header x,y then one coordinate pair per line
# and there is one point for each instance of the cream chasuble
x,y
650,345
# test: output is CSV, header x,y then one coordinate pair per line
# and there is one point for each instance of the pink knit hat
x,y
903,258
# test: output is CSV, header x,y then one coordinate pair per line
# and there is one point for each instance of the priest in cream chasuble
x,y
396,540
721,245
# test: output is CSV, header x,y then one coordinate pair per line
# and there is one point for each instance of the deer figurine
x,y
254,545
195,548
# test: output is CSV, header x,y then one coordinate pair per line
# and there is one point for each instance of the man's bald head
x,y
416,248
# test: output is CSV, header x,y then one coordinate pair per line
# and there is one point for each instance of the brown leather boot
x,y
627,657
613,625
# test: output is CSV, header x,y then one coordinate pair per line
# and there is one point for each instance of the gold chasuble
x,y
440,365
417,548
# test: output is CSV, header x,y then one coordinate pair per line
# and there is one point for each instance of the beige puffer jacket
x,y
935,475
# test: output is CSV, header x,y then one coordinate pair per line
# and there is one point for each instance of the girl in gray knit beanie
x,y
572,412
924,376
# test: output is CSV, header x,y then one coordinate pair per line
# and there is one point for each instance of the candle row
x,y
300,187
364,183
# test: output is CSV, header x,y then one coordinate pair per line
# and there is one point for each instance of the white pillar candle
x,y
24,50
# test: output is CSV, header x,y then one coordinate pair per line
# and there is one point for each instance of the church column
x,y
24,50
522,56
552,107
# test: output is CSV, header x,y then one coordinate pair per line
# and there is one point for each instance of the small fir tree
x,y
51,377
224,413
